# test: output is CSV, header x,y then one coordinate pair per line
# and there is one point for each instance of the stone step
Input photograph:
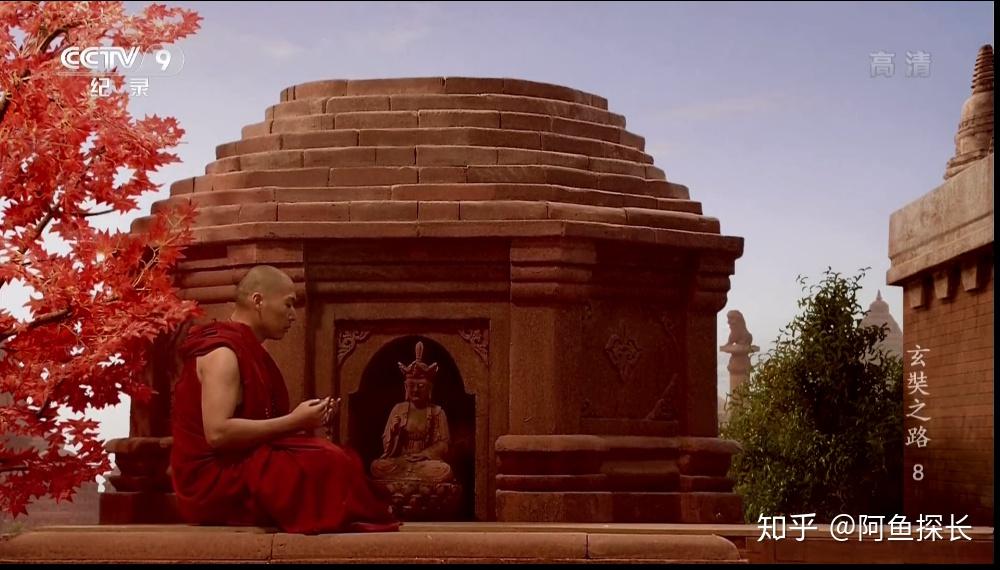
x,y
261,140
514,109
426,120
435,201
427,155
416,543
440,85
319,176
488,229
443,210
443,118
632,543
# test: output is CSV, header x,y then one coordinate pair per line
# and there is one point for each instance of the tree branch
x,y
83,214
42,320
36,233
47,43
50,213
14,467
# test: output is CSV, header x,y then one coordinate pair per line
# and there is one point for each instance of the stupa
x,y
879,315
567,289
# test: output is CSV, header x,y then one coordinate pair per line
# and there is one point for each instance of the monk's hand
x,y
310,414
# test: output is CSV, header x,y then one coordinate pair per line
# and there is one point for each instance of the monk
x,y
239,456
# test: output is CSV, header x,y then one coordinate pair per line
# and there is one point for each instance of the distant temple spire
x,y
878,315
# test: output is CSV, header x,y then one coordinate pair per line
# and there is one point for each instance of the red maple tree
x,y
96,308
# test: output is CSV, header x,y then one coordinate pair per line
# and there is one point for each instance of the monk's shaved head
x,y
264,279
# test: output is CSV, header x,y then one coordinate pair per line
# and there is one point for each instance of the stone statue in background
x,y
739,347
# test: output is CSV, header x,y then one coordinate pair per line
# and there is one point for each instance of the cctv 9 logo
x,y
159,61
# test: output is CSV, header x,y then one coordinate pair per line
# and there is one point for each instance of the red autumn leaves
x,y
67,157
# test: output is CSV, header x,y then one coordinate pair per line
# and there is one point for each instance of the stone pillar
x,y
548,285
739,346
709,287
542,399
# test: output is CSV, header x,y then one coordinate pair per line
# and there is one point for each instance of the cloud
x,y
399,39
724,108
244,43
395,37
394,31
279,49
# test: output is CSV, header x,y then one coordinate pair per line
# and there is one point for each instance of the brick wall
x,y
957,461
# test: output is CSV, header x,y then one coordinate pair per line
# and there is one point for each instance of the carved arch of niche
x,y
370,337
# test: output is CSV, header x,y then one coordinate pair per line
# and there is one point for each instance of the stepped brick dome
x,y
444,157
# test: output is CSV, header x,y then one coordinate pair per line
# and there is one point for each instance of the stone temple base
x,y
546,478
589,478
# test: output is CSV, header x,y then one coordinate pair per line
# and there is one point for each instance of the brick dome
x,y
444,157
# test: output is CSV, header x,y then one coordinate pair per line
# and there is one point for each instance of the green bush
x,y
820,420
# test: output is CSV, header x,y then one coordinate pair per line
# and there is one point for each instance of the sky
x,y
768,112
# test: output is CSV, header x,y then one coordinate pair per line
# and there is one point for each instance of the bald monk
x,y
239,456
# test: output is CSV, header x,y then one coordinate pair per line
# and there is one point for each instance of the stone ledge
x,y
635,542
944,250
619,547
550,443
953,219
450,542
440,85
497,229
417,545
84,544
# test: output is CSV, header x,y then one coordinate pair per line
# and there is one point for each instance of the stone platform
x,y
474,543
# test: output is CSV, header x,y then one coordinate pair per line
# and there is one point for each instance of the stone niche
x,y
567,290
381,387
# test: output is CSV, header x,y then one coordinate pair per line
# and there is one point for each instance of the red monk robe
x,y
299,483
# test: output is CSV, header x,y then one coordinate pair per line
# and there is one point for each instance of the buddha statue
x,y
415,439
415,443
